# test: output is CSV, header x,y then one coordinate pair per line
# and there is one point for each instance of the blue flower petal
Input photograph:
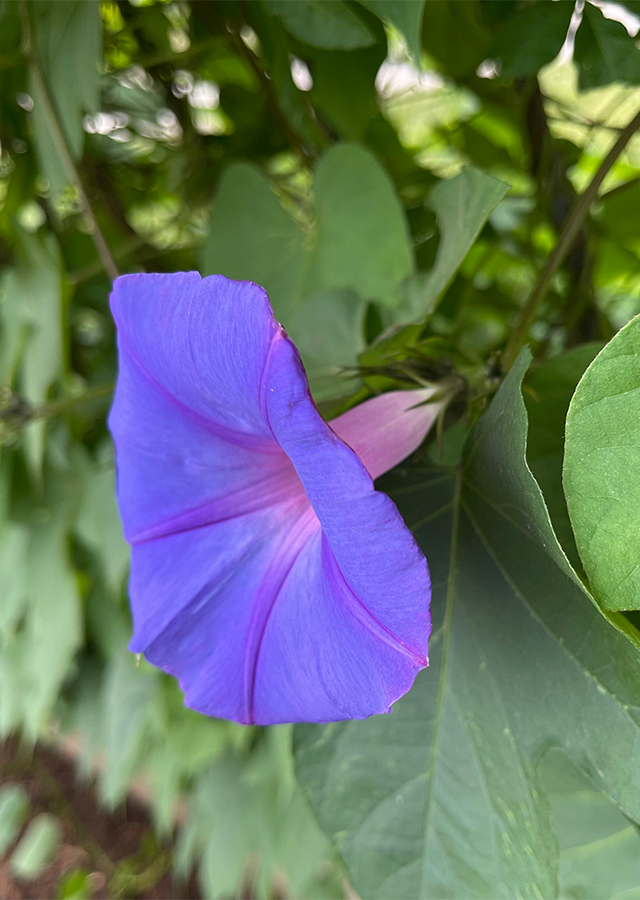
x,y
267,573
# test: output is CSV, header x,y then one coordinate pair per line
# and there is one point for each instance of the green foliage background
x,y
418,185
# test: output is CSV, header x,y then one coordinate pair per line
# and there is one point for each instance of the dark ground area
x,y
101,854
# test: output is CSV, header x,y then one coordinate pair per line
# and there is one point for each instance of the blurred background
x,y
299,144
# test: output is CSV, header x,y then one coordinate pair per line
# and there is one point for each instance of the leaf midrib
x,y
446,640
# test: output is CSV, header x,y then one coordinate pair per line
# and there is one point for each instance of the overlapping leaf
x,y
599,846
601,471
547,395
356,250
462,206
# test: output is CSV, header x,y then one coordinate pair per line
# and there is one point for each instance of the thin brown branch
x,y
15,414
58,407
61,145
568,235
295,140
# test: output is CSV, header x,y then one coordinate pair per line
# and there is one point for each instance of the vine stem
x,y
21,415
62,147
57,407
568,235
294,140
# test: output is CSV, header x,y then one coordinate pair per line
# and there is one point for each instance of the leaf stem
x,y
61,145
568,234
296,142
17,414
56,407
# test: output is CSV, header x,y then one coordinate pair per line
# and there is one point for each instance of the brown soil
x,y
117,847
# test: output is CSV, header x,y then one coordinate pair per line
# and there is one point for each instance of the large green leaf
x,y
604,51
442,797
462,206
602,472
67,38
252,238
362,238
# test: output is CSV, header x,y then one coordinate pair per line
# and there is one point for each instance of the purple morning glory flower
x,y
268,575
